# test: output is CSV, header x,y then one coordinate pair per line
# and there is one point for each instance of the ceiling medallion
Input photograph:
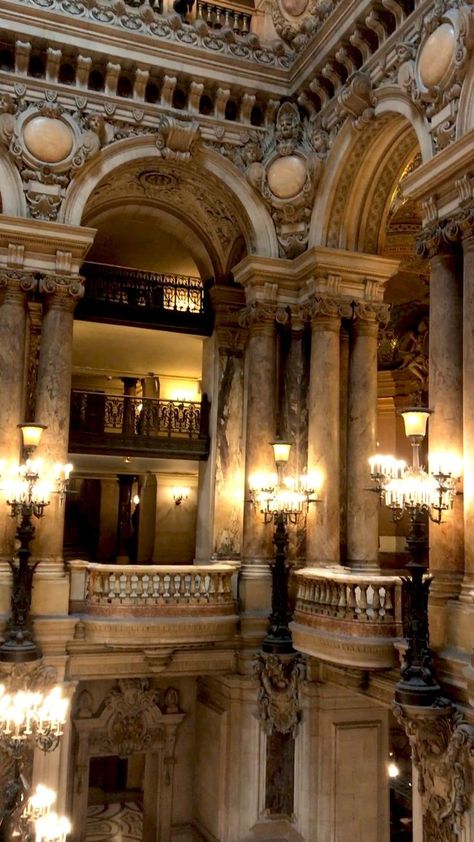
x,y
153,180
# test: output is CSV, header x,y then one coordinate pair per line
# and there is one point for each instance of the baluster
x,y
209,14
334,598
388,603
166,586
217,11
245,24
226,17
211,587
342,605
316,598
352,601
112,591
144,586
202,588
376,602
200,8
182,587
155,587
235,26
363,604
133,579
176,584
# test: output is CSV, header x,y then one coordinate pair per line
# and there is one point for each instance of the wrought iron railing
x,y
138,289
97,412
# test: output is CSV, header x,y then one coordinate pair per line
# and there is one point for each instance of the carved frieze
x,y
279,706
442,745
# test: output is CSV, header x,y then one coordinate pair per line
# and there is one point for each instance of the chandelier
x,y
281,497
30,714
38,823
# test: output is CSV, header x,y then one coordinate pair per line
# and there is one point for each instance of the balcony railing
x,y
348,618
100,422
117,294
218,16
200,596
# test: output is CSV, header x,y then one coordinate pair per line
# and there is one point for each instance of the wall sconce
x,y
179,495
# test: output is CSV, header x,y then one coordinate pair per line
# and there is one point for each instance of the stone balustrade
x,y
348,618
155,598
218,16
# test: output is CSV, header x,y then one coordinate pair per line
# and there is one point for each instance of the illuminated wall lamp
x,y
179,495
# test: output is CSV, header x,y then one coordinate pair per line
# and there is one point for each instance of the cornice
x,y
45,245
438,176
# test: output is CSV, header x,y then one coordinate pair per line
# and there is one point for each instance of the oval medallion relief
x,y
286,176
436,55
294,7
48,139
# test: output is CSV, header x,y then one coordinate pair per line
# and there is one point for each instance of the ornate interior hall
x,y
237,421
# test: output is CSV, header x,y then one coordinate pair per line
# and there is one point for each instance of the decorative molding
x,y
442,744
278,700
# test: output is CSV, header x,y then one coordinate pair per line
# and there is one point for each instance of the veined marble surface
x,y
118,822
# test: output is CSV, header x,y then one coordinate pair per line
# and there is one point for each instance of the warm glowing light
x,y
393,770
386,466
31,434
40,803
261,480
415,421
180,494
24,713
281,451
414,489
136,499
447,464
52,828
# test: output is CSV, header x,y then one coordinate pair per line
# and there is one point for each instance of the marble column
x,y
343,404
53,396
446,422
14,287
124,522
323,537
467,592
362,503
261,396
294,419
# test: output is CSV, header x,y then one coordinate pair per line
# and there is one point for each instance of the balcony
x,y
348,618
144,299
119,424
166,604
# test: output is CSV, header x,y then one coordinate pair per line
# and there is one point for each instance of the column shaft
x,y
362,503
446,422
53,398
13,315
468,414
323,542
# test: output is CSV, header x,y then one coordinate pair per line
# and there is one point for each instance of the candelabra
x,y
281,500
38,822
423,496
27,489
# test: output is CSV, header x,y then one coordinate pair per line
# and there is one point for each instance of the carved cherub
x,y
95,135
7,118
288,128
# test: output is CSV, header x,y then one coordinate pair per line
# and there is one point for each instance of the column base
x,y
19,649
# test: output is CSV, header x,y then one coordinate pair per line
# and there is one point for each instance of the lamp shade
x,y
415,419
31,434
281,451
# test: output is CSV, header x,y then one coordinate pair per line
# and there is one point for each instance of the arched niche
x,y
133,718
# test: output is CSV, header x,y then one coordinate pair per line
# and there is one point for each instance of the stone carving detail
x,y
442,745
370,312
296,21
321,308
170,27
279,707
176,138
16,282
433,79
129,710
284,168
261,312
49,145
65,287
357,99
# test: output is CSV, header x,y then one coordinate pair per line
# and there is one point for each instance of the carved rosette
x,y
278,700
442,744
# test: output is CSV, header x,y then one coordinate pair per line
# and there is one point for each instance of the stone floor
x,y
117,822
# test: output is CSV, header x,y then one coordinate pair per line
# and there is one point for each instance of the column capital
x,y
370,313
443,236
16,283
261,314
326,312
62,291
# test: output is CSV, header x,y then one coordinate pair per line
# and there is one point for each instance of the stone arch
x,y
465,118
13,201
359,177
211,169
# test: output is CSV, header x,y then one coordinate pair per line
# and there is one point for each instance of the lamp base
x,y
416,694
278,644
19,649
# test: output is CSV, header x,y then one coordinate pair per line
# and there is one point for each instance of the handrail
x,y
348,596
